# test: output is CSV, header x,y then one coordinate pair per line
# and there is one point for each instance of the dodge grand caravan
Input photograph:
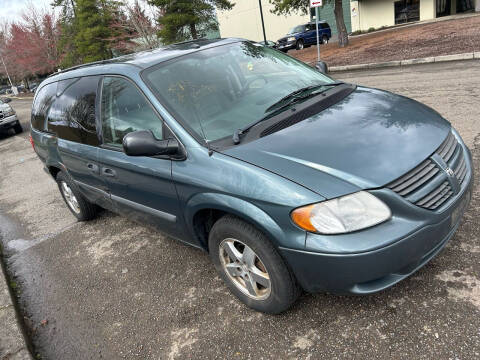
x,y
288,179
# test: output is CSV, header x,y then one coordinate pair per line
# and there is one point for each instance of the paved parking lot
x,y
111,288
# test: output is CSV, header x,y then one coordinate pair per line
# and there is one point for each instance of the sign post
x,y
263,23
315,4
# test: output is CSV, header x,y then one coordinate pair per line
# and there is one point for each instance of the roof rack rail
x,y
101,62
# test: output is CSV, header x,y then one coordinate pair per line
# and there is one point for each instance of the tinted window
x,y
43,101
125,109
72,116
325,26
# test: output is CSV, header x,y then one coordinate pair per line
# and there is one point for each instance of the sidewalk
x,y
12,342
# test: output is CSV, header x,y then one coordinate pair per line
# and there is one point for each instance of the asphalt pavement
x,y
112,288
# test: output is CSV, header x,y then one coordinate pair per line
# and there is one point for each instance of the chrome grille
x,y
427,185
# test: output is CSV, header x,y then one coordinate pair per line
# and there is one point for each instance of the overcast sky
x,y
11,10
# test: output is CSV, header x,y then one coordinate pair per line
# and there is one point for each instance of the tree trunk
x,y
193,31
341,28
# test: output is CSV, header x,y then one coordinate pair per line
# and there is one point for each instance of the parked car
x,y
302,36
8,118
289,179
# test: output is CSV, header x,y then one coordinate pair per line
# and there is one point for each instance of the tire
x,y
18,128
80,207
279,290
325,39
300,45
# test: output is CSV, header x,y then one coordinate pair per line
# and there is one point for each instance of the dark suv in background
x,y
304,36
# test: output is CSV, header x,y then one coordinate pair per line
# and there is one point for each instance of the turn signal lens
x,y
301,217
342,215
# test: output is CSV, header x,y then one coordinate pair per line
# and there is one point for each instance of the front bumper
x,y
287,46
8,122
356,270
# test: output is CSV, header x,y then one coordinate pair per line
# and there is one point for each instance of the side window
x,y
72,116
43,101
124,110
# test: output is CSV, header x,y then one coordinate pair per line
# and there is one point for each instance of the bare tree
x,y
134,30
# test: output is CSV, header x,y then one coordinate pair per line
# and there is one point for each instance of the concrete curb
x,y
12,342
396,63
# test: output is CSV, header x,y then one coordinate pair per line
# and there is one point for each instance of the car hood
x,y
365,141
5,107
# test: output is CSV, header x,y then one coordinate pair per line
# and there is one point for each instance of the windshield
x,y
296,29
217,91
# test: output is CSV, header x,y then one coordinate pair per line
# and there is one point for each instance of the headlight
x,y
291,38
342,215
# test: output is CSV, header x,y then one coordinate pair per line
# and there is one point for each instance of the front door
x,y
141,188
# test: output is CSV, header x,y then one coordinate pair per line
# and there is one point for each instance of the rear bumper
x,y
372,271
8,122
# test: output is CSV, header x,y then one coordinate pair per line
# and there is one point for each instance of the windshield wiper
x,y
294,96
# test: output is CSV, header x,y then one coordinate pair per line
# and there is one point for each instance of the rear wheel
x,y
300,44
80,207
18,128
325,39
251,266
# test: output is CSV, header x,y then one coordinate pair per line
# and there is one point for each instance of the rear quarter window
x,y
42,104
73,115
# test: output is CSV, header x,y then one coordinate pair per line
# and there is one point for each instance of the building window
x,y
406,11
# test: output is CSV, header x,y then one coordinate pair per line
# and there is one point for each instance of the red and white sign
x,y
316,3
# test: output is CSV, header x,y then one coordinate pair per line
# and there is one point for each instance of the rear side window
x,y
72,116
43,101
325,26
124,110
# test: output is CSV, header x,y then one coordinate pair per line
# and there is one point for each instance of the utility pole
x,y
263,24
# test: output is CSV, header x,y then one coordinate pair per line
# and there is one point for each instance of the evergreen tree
x,y
285,7
92,31
187,19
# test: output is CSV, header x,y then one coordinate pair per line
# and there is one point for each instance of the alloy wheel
x,y
245,269
70,198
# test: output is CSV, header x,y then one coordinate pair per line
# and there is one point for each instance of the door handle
x,y
92,167
108,172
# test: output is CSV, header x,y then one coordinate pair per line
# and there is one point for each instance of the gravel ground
x,y
425,40
113,289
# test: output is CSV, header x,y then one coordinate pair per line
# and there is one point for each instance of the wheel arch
x,y
204,210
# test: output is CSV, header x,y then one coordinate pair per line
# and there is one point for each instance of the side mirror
x,y
143,143
322,67
6,100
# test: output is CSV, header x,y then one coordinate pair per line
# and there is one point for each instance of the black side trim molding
x,y
92,188
134,205
149,210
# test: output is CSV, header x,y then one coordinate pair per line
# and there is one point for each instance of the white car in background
x,y
8,118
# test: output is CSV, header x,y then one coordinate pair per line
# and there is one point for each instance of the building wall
x,y
378,13
326,14
428,9
244,21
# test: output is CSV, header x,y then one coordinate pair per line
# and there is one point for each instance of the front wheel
x,y
300,44
18,128
251,266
